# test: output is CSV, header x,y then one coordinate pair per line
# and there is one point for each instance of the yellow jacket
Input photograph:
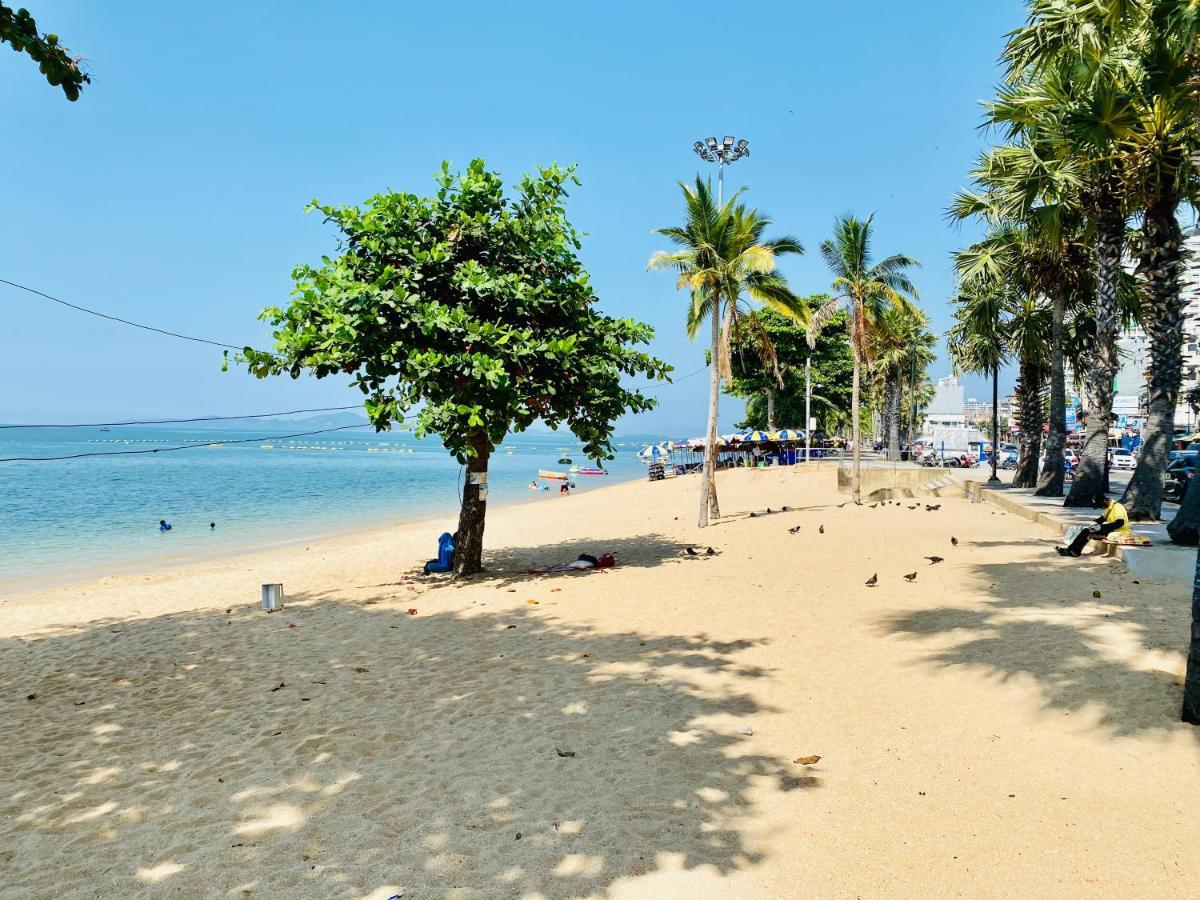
x,y
1115,513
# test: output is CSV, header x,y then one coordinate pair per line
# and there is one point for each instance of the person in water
x,y
164,525
212,526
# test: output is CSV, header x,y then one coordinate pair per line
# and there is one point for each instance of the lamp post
x,y
729,151
808,419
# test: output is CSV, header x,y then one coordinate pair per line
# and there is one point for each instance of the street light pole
x,y
995,420
728,151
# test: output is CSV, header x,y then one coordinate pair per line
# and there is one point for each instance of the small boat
x,y
592,471
106,428
553,476
564,461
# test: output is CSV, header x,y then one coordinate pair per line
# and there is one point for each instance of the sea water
x,y
99,515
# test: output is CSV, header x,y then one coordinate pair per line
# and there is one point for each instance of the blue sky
x,y
173,191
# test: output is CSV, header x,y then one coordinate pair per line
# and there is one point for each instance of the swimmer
x,y
164,525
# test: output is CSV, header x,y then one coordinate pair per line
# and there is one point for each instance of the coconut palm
x,y
722,256
865,289
977,340
901,346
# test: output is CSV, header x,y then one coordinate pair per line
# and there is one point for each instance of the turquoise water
x,y
100,515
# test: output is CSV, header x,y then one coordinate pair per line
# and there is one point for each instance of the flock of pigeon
x,y
874,579
933,560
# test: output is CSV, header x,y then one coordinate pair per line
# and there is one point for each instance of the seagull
x,y
934,560
873,580
954,541
933,508
873,505
793,530
821,529
710,552
768,510
910,577
691,551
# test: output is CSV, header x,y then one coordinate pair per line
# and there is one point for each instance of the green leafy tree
x,y
722,255
863,289
774,393
474,310
19,30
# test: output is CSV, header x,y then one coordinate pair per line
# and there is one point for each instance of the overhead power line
x,y
270,437
287,412
97,313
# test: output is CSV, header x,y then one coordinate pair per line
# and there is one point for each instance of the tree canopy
x,y
19,30
832,368
472,312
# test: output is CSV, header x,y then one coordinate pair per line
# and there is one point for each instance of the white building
x,y
947,409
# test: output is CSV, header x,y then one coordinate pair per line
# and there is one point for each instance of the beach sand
x,y
990,729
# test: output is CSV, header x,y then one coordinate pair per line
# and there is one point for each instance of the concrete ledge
x,y
1161,561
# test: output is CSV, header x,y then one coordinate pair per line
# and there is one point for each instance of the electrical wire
x,y
97,313
288,412
270,437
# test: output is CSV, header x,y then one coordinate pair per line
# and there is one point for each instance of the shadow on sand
x,y
1090,655
335,749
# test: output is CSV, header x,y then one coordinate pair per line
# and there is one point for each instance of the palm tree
x,y
722,255
901,345
865,289
1028,326
1037,240
977,340
1071,102
1149,45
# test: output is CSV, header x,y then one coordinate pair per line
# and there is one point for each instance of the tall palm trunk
x,y
1191,681
1090,480
708,484
1030,394
855,427
1185,527
1162,258
770,392
893,406
1050,484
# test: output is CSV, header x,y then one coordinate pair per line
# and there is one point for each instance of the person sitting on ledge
x,y
1115,519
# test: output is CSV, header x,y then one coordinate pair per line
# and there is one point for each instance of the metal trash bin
x,y
272,597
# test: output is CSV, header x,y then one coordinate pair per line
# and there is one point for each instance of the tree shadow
x,y
1109,658
333,750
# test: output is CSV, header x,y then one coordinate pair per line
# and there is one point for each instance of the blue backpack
x,y
445,557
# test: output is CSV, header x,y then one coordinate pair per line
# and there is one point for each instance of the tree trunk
x,y
1161,261
1029,395
708,481
1091,480
770,392
1050,484
856,431
1185,527
468,542
893,402
1191,681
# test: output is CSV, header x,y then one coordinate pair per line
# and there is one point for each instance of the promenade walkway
x,y
1162,560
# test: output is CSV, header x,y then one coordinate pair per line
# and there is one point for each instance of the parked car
x,y
1072,457
1120,458
1179,472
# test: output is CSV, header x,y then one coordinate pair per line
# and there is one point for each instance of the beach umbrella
x,y
654,451
759,436
790,434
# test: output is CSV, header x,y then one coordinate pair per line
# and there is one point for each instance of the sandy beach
x,y
1003,725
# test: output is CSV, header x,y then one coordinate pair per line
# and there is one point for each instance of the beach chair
x,y
445,557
